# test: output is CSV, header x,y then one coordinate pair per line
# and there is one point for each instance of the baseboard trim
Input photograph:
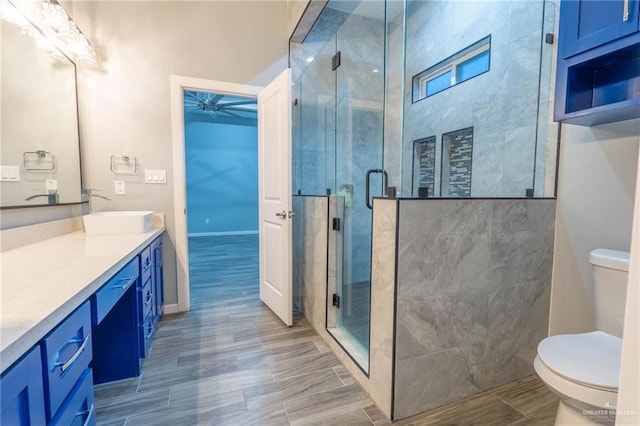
x,y
171,309
220,234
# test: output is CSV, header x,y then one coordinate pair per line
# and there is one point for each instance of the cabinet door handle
x,y
88,413
148,335
129,280
146,265
625,11
148,300
64,365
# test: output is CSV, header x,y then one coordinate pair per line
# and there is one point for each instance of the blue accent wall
x,y
222,177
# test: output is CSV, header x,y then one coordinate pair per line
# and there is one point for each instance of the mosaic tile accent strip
x,y
424,164
457,148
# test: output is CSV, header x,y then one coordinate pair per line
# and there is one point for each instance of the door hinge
x,y
336,300
336,224
335,61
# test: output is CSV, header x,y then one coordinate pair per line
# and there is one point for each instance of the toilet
x,y
583,369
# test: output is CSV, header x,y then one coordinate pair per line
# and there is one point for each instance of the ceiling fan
x,y
211,103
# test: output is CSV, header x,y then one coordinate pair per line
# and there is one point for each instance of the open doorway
x,y
221,165
274,183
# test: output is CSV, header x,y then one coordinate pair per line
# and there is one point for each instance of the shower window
x,y
464,65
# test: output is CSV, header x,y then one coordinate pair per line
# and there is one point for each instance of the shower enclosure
x,y
338,146
416,99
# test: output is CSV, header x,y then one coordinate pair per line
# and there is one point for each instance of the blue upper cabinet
x,y
586,24
598,71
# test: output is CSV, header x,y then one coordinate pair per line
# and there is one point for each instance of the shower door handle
x,y
385,180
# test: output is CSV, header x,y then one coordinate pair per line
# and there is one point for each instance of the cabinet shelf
x,y
610,113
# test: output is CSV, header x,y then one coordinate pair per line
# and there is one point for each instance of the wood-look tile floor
x,y
231,361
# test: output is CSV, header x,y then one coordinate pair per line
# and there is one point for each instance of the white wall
x,y
125,105
629,391
222,177
596,187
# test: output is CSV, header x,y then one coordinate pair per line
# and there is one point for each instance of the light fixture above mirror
x,y
51,27
67,34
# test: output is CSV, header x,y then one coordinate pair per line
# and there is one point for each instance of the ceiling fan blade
x,y
215,99
192,95
248,111
238,103
232,114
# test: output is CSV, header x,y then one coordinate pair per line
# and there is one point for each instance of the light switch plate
x,y
10,173
119,187
155,176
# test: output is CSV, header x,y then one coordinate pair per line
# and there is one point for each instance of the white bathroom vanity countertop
x,y
42,283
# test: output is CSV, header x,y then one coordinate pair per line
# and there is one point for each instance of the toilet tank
x,y
610,272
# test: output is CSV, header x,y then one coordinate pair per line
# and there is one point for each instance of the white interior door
x,y
274,173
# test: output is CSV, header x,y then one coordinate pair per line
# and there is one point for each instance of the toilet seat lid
x,y
591,358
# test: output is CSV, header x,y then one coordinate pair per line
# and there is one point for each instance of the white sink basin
x,y
115,223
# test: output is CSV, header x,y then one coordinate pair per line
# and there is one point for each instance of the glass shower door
x,y
359,82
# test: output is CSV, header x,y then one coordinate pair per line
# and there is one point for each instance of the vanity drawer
x,y
79,408
67,352
110,293
146,300
145,263
147,330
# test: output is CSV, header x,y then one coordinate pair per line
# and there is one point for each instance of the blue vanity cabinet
x,y
22,393
100,341
598,69
586,24
114,318
156,278
146,302
66,353
150,294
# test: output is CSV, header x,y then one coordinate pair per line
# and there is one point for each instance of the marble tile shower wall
x,y
310,258
501,105
473,289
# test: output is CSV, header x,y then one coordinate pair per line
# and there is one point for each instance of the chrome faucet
x,y
90,193
52,197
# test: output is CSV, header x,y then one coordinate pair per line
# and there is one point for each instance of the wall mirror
x,y
40,149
